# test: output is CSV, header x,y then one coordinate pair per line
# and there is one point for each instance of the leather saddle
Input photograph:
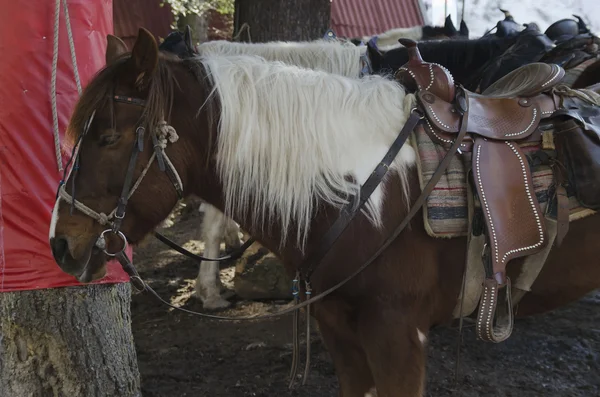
x,y
497,122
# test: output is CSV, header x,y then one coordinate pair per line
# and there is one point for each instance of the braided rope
x,y
55,69
72,47
53,87
101,217
589,96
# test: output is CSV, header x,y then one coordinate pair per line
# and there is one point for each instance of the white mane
x,y
336,57
288,136
390,37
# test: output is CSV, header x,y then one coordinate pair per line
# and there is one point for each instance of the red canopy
x,y
357,18
29,174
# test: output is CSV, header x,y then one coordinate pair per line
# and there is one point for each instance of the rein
x,y
305,270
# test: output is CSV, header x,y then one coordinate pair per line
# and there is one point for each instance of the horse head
x,y
119,133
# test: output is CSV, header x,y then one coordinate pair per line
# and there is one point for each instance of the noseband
x,y
164,134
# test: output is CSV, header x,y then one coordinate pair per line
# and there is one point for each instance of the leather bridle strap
x,y
234,255
122,203
136,280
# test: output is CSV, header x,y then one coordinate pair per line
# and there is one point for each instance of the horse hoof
x,y
217,303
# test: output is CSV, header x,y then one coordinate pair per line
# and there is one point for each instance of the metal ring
x,y
118,233
416,110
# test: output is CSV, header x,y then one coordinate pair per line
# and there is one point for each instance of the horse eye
x,y
106,140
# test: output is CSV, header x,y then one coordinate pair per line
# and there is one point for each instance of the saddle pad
x,y
445,212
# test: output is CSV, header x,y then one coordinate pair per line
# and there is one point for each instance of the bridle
x,y
308,265
163,135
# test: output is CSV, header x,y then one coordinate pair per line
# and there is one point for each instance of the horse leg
x,y
395,349
343,345
208,283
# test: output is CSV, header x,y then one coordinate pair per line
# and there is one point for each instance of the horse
x,y
332,56
281,150
464,58
478,63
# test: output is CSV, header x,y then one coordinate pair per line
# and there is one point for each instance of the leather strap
x,y
122,203
234,255
349,211
562,215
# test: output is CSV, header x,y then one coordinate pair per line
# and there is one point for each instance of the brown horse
x,y
280,149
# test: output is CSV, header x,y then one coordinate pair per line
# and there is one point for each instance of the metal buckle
x,y
418,111
101,242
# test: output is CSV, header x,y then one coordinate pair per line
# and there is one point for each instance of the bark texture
x,y
289,20
68,342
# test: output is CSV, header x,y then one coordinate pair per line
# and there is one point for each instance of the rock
x,y
259,274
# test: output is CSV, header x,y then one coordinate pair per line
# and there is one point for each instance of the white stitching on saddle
x,y
481,309
431,80
436,135
487,209
484,307
527,128
529,197
439,137
414,77
548,112
553,78
444,68
435,116
489,316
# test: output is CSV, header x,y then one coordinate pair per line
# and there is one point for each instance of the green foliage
x,y
199,7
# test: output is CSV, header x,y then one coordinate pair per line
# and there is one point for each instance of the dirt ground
x,y
557,354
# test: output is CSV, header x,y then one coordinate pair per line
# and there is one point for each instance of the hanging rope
x,y
53,87
55,69
72,47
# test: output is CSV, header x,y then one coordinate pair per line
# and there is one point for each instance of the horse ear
x,y
449,25
187,37
375,56
464,30
115,47
144,57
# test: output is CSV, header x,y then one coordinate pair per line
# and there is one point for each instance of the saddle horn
x,y
507,15
418,75
583,27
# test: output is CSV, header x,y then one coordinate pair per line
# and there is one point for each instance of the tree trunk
x,y
290,20
67,342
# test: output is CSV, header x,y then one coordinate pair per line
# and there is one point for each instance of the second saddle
x,y
497,122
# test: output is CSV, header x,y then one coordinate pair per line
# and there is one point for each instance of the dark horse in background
x,y
283,149
417,33
478,63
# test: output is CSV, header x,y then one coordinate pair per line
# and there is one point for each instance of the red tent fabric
x,y
29,174
357,18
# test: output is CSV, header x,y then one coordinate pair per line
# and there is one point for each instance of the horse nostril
x,y
60,247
